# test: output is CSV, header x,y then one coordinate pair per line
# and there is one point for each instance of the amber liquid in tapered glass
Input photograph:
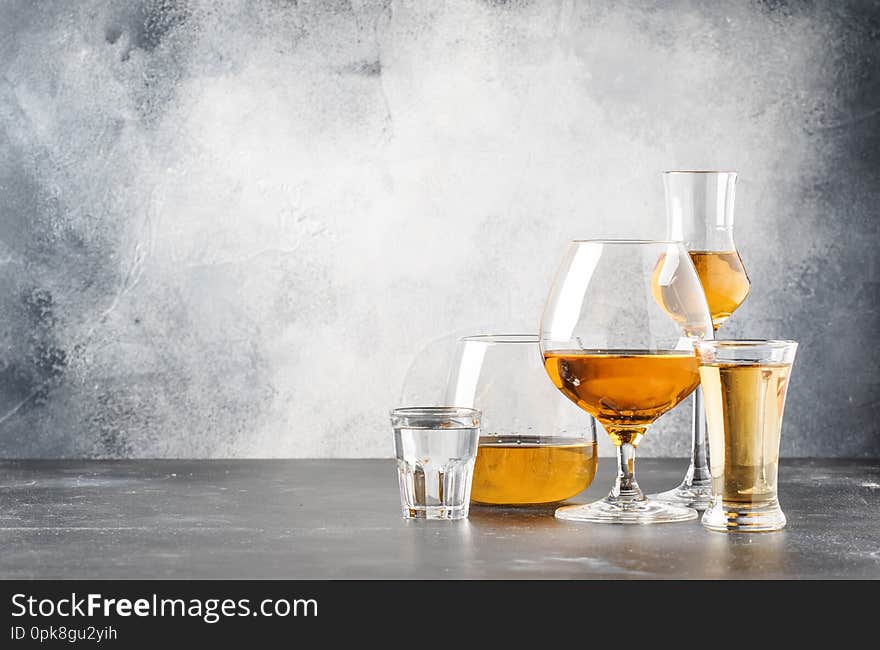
x,y
626,390
531,470
745,403
724,281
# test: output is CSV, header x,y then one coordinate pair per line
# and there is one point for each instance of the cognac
x,y
626,390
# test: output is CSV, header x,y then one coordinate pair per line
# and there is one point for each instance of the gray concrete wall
x,y
234,228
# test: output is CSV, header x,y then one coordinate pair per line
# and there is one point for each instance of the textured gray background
x,y
235,228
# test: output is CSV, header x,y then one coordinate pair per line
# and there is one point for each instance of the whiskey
x,y
531,470
724,281
744,405
626,390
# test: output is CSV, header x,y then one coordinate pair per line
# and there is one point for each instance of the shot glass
x,y
744,385
435,447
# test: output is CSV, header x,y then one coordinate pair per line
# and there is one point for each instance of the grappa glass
x,y
617,337
699,213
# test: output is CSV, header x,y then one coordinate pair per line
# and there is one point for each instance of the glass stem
x,y
698,473
626,489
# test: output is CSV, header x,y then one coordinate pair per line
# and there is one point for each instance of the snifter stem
x,y
626,489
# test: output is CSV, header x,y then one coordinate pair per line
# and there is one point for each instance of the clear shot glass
x,y
744,385
435,448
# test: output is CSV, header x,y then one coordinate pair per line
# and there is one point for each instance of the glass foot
x,y
745,518
606,511
690,496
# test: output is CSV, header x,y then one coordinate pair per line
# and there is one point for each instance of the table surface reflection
x,y
329,519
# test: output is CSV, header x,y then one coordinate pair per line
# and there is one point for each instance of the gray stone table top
x,y
340,519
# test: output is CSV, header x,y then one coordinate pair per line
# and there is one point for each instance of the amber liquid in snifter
x,y
626,390
724,281
531,469
745,403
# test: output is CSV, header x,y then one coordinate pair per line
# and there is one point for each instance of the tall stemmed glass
x,y
699,213
617,338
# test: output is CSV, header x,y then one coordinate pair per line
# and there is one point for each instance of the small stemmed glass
x,y
699,213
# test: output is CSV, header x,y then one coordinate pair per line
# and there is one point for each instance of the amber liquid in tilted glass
x,y
724,281
530,470
745,403
626,390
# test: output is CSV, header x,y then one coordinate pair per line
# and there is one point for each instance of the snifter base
x,y
608,511
727,517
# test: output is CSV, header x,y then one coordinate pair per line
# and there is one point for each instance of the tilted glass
x,y
535,447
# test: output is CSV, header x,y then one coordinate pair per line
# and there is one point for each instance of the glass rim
x,y
700,171
501,338
746,344
627,241
435,411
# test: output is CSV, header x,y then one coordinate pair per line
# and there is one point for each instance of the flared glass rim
x,y
700,171
774,344
493,339
625,241
435,411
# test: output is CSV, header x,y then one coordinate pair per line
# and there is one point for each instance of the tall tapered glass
x,y
617,336
699,213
